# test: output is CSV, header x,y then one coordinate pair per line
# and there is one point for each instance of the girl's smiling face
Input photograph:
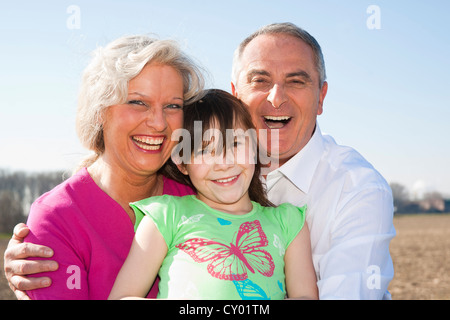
x,y
222,178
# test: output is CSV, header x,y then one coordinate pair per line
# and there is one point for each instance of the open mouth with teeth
x,y
148,143
229,180
276,122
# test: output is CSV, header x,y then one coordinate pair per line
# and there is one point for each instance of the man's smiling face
x,y
279,83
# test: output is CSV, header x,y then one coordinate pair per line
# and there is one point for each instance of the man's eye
x,y
260,83
259,80
298,82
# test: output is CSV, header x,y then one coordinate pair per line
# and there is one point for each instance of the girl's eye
x,y
208,150
240,140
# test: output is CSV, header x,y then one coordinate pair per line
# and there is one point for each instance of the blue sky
x,y
387,97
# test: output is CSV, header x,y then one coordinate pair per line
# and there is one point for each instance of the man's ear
x,y
322,94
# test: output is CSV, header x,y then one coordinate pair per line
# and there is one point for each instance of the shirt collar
x,y
300,168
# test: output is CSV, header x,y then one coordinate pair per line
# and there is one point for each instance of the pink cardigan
x,y
90,234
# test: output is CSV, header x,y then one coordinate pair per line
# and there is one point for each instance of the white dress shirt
x,y
350,217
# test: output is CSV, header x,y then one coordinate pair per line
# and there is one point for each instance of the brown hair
x,y
220,110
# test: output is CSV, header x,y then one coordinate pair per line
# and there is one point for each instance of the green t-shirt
x,y
216,255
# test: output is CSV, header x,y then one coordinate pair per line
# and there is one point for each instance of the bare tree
x,y
11,211
400,195
18,190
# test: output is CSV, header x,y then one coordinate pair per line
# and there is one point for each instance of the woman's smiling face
x,y
137,134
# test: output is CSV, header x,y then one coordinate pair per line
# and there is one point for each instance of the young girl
x,y
228,241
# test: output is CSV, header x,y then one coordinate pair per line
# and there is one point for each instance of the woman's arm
x,y
301,282
142,264
17,268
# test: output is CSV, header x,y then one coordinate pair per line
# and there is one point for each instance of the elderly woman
x,y
131,100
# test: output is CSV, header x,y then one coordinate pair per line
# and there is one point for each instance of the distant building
x,y
447,205
432,204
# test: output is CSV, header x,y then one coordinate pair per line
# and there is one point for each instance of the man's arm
x,y
17,267
358,264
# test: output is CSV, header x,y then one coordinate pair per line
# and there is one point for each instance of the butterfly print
x,y
233,261
248,290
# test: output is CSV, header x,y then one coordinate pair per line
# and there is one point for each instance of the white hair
x,y
281,28
105,81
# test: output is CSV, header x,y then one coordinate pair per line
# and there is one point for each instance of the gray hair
x,y
281,28
105,82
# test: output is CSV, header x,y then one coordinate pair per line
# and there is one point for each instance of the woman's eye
x,y
138,102
174,106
